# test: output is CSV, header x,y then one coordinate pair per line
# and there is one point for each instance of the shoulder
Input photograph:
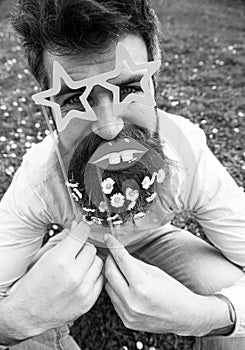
x,y
32,170
172,124
39,163
188,142
43,171
38,186
27,184
39,155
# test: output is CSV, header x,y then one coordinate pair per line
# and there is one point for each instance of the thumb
x,y
123,259
76,239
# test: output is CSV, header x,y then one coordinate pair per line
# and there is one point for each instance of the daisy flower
x,y
72,185
146,183
89,210
117,223
96,220
139,216
111,218
131,205
117,200
161,176
77,192
150,199
75,197
107,185
102,207
132,195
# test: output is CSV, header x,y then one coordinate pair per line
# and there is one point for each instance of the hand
x,y
52,242
63,285
145,297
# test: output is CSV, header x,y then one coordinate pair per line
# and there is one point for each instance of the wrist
x,y
213,314
10,333
15,323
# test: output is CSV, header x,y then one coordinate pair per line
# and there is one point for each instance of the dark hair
x,y
67,27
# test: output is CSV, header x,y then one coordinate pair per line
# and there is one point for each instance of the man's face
x,y
119,149
108,125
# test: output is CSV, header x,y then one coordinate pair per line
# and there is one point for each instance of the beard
x,y
128,199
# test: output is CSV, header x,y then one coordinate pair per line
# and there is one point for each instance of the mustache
x,y
91,142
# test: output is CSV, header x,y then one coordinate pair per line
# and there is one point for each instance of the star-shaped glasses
x,y
148,69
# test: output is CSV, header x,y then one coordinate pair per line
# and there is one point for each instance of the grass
x,y
202,78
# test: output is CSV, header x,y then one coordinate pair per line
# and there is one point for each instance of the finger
x,y
115,298
85,259
94,272
88,298
123,259
98,286
116,301
115,277
75,240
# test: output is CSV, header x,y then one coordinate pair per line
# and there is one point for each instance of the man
x,y
123,197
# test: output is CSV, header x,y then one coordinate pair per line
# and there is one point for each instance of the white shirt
x,y
199,184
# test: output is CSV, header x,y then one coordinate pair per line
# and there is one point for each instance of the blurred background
x,y
202,78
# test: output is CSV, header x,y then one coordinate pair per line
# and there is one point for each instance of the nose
x,y
108,125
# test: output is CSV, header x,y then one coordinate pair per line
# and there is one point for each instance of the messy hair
x,y
68,27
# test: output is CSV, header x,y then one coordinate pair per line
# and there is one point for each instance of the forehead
x,y
86,65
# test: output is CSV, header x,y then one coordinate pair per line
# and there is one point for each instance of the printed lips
x,y
116,155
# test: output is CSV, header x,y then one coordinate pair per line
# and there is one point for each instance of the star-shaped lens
x,y
144,70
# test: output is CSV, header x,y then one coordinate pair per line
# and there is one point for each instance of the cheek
x,y
75,131
141,115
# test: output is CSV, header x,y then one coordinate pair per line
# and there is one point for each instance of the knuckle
x,y
133,310
127,322
127,317
137,290
144,292
136,312
61,261
84,292
140,288
74,280
62,266
132,307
